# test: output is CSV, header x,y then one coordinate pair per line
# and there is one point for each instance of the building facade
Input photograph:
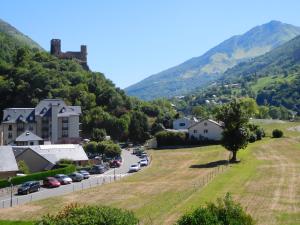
x,y
206,130
51,119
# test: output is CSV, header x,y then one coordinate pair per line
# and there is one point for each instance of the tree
x,y
249,106
236,133
138,127
98,134
23,167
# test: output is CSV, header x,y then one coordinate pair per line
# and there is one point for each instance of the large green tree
x,y
138,127
236,133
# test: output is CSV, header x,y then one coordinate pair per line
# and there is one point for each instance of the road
x,y
94,180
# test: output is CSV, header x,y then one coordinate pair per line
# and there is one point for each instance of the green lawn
x,y
9,222
266,183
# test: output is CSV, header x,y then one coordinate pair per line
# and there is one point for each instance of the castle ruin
x,y
81,56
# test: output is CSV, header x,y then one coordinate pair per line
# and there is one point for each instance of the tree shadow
x,y
211,164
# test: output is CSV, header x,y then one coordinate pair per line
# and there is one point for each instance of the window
x,y
65,133
30,127
9,127
195,131
65,120
205,131
182,124
205,124
9,135
31,143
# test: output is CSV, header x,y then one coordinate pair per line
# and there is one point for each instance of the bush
x,y
167,138
65,169
260,133
226,211
85,215
23,167
252,138
277,133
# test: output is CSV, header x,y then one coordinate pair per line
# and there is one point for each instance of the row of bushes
x,y
168,138
65,169
225,211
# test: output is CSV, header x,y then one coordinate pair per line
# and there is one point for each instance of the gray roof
x,y
28,136
44,108
12,115
7,159
54,153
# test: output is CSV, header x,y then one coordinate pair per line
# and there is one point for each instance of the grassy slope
x,y
265,182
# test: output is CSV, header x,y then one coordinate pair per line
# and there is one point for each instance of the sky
x,y
131,39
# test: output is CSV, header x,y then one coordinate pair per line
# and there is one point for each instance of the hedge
x,y
167,138
65,169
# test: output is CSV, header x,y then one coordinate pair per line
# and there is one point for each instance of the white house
x,y
206,129
184,123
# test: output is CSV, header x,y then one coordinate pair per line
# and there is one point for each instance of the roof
x,y
44,108
7,159
12,115
54,153
28,136
208,120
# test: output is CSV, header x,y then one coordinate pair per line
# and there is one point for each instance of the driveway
x,y
94,180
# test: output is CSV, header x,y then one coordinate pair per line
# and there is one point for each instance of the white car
x,y
144,162
63,179
134,168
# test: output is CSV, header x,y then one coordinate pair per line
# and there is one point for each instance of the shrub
x,y
277,133
226,211
260,133
252,138
167,138
23,167
85,215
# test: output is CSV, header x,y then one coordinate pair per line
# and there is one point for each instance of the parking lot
x,y
94,180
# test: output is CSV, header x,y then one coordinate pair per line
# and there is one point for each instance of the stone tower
x,y
55,47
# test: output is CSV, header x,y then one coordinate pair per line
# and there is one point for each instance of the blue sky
x,y
130,40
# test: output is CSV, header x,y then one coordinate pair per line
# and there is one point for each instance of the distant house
x,y
28,138
45,157
184,123
51,119
8,163
206,130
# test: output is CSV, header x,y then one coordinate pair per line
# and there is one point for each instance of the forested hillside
x,y
28,75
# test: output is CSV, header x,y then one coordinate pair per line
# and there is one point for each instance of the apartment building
x,y
51,120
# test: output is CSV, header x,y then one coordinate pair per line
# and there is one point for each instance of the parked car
x,y
134,168
98,169
51,182
63,179
28,187
144,162
143,155
85,174
115,163
76,177
119,158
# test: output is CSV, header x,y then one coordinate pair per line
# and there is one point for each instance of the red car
x,y
115,163
51,182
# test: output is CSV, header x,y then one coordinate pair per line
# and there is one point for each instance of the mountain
x,y
273,79
17,36
200,71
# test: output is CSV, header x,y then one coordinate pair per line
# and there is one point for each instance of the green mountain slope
x,y
198,72
17,36
273,79
28,75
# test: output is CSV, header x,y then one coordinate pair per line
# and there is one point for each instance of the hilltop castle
x,y
81,56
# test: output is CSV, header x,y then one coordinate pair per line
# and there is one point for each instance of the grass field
x,y
266,183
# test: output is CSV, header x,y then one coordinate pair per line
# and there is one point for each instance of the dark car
x,y
51,182
84,173
77,177
98,169
28,187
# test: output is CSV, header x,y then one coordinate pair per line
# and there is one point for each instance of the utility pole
x,y
11,191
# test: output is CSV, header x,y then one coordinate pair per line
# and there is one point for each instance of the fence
x,y
64,189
